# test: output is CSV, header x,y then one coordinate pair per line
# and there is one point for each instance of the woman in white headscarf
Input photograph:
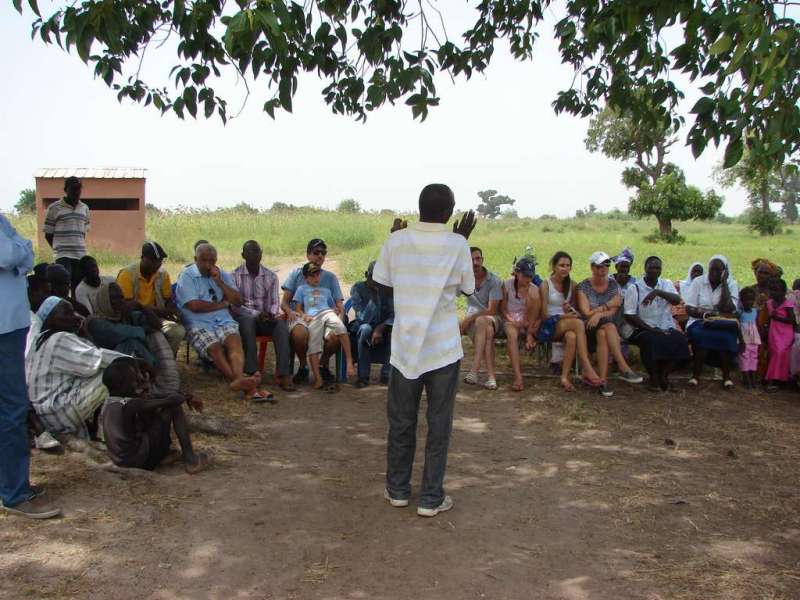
x,y
711,303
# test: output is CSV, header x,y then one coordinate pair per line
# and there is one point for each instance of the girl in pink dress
x,y
780,337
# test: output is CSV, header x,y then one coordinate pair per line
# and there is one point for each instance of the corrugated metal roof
x,y
92,173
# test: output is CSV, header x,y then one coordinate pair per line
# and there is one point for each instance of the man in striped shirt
x,y
65,227
427,266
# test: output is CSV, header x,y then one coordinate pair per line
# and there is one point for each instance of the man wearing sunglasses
x,y
316,251
204,295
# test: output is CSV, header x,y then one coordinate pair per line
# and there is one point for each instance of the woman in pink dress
x,y
780,337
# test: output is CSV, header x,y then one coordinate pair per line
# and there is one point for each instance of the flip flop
x,y
517,387
593,384
262,396
567,386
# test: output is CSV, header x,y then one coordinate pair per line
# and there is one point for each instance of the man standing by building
x,y
427,266
65,227
260,313
16,493
148,284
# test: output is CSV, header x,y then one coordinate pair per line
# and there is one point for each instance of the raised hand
x,y
398,224
465,225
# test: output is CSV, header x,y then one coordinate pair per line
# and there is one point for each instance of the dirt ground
x,y
640,496
644,495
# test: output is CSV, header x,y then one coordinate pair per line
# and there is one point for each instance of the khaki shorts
x,y
497,323
320,326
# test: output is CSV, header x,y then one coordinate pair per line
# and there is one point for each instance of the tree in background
x,y
765,184
670,199
492,203
742,55
349,205
583,213
27,202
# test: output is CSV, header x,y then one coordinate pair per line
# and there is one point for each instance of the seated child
x,y
315,304
780,336
137,427
749,338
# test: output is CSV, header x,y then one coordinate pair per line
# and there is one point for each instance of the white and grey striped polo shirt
x,y
427,265
68,226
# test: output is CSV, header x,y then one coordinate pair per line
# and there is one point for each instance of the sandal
x,y
593,383
727,384
491,384
203,460
471,378
517,387
567,386
693,382
261,396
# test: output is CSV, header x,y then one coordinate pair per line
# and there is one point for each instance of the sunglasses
x,y
605,263
320,253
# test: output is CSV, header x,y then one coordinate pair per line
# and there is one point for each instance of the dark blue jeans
x,y
367,354
15,453
402,408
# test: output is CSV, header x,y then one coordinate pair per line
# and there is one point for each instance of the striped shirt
x,y
427,265
68,227
260,294
65,381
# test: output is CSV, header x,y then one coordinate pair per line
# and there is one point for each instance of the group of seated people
x,y
702,320
101,358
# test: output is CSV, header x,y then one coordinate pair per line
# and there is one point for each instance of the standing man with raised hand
x,y
65,227
427,266
16,493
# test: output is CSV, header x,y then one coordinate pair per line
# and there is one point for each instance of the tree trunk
x,y
664,226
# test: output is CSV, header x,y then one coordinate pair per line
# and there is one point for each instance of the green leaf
x,y
178,11
18,5
733,153
190,99
703,106
723,44
285,92
34,7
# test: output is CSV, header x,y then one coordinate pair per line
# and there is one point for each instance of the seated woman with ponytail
x,y
560,321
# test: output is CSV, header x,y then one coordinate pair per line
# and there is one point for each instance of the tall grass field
x,y
355,239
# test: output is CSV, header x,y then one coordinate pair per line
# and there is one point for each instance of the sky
x,y
496,131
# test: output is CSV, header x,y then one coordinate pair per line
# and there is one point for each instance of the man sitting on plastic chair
x,y
372,328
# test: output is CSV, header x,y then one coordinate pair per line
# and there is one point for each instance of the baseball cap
x,y
526,267
599,258
310,269
314,244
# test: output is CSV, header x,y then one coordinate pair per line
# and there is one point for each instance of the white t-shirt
x,y
656,314
86,294
700,295
427,265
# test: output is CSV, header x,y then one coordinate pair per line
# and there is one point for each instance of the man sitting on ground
x,y
137,427
316,251
315,305
483,321
87,289
260,313
59,280
147,284
64,371
204,295
372,326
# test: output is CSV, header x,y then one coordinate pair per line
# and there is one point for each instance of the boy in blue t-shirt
x,y
316,306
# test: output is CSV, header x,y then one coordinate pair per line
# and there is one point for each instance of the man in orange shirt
x,y
148,284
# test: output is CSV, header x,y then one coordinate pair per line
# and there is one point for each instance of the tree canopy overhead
x,y
743,55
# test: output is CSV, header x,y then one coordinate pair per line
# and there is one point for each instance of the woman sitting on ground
x,y
135,333
648,305
712,329
519,309
560,322
599,299
65,371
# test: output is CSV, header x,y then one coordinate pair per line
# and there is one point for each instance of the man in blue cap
x,y
16,493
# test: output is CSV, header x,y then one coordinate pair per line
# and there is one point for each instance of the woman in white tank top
x,y
569,328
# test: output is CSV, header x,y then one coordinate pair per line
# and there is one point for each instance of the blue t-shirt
x,y
748,316
313,299
327,280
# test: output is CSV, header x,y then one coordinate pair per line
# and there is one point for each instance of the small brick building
x,y
116,201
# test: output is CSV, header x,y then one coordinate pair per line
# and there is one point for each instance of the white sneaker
x,y
396,502
46,441
446,504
